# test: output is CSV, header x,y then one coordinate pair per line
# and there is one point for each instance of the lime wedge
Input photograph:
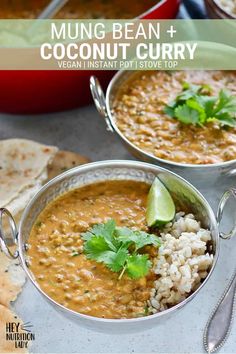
x,y
160,205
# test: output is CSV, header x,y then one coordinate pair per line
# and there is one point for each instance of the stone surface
x,y
84,131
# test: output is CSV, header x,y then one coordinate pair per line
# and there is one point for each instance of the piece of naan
x,y
8,316
12,279
23,169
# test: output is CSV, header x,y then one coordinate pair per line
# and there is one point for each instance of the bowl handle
x,y
223,201
232,172
14,234
99,100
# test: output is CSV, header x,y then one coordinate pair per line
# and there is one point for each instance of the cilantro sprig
x,y
118,248
195,105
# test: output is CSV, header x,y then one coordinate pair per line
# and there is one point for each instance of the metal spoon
x,y
52,9
219,325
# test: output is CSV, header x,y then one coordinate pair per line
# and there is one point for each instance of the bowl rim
x,y
215,5
148,155
104,164
156,7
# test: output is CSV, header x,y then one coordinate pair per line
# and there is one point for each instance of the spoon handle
x,y
219,324
52,9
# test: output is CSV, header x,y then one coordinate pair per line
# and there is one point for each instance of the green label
x,y
114,45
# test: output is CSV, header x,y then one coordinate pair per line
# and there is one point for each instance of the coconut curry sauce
x,y
138,109
56,250
75,9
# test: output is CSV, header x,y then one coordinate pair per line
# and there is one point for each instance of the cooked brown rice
x,y
182,263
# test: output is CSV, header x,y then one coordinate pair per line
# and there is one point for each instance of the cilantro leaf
x,y
139,238
137,265
117,248
188,92
224,99
226,119
194,105
187,115
170,109
95,247
106,231
208,103
117,260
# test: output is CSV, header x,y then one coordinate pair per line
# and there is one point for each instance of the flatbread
x,y
31,178
64,160
23,169
12,279
6,316
12,276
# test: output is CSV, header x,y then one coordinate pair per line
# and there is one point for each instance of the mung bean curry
x,y
87,9
67,238
118,249
183,116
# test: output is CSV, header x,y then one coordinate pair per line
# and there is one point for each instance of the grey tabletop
x,y
84,131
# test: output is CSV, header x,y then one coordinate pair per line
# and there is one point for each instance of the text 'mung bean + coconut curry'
x,y
98,250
